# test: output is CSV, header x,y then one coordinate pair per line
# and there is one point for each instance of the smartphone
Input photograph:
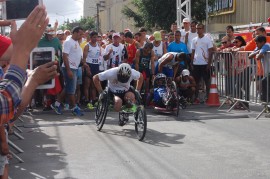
x,y
40,56
18,9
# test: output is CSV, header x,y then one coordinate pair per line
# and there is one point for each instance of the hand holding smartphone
x,y
40,56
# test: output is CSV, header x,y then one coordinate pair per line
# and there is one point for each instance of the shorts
x,y
94,68
145,73
79,76
166,71
70,84
121,95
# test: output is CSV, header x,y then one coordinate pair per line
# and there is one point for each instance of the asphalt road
x,y
201,143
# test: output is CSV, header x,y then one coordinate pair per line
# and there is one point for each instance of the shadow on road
x,y
152,137
42,156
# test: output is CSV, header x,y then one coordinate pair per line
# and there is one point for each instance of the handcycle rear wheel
x,y
140,122
101,111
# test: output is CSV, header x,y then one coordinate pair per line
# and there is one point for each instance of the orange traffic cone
x,y
213,98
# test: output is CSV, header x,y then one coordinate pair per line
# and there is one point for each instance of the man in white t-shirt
x,y
72,56
119,79
190,35
186,28
201,58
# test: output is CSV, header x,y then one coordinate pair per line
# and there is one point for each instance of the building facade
x,y
237,12
223,13
110,15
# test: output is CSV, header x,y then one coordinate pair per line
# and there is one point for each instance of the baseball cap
x,y
59,32
49,30
185,72
186,20
157,36
116,34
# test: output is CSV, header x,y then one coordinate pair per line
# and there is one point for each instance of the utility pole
x,y
206,19
98,17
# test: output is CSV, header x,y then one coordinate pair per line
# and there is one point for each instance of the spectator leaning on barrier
x,y
259,53
201,58
226,44
239,44
251,45
230,33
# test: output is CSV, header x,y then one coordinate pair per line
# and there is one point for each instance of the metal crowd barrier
x,y
241,80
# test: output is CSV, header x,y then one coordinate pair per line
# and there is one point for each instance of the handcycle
x,y
140,117
171,99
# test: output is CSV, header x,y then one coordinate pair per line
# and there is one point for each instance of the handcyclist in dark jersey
x,y
144,58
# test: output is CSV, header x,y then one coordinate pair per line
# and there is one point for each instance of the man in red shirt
x,y
131,48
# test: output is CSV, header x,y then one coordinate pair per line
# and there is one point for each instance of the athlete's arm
x,y
152,60
137,59
97,83
139,83
164,48
85,53
167,59
107,56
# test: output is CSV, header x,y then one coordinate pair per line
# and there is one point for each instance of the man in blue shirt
x,y
178,47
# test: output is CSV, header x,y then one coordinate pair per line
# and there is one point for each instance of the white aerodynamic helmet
x,y
124,72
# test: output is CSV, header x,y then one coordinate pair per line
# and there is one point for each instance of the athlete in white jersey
x,y
119,79
91,54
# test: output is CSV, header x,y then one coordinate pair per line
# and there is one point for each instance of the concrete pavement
x,y
201,143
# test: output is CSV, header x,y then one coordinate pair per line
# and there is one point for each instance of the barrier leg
x,y
16,156
11,144
233,106
20,118
246,108
17,128
264,109
225,101
18,135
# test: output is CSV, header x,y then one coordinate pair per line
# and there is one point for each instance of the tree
x,y
86,23
161,13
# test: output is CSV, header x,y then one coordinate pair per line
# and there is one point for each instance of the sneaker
x,y
56,109
123,119
66,107
77,111
90,106
196,101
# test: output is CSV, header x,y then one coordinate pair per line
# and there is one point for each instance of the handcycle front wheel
x,y
101,111
140,122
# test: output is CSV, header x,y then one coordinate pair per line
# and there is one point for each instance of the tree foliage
x,y
86,23
160,14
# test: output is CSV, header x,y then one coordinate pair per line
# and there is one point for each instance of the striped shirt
x,y
10,92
